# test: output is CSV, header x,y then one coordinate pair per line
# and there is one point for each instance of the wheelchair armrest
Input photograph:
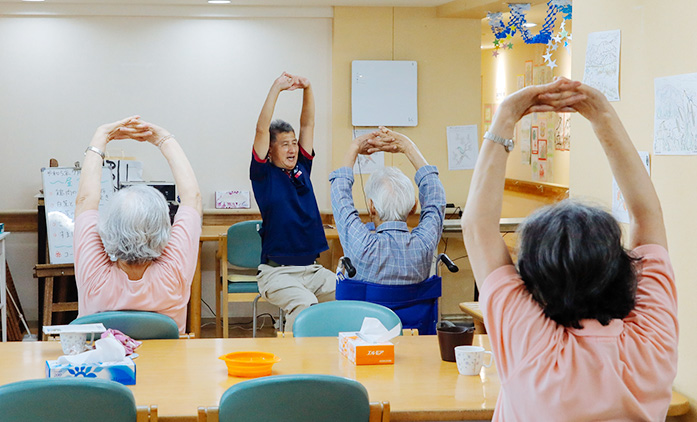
x,y
448,263
346,263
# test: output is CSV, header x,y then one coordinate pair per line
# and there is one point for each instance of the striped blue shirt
x,y
391,254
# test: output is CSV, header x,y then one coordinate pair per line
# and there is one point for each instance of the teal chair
x,y
240,256
297,398
139,325
70,400
328,319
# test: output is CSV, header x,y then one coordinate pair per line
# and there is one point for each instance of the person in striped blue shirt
x,y
391,254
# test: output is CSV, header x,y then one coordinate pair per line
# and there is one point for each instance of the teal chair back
x,y
139,325
296,398
244,244
66,400
328,319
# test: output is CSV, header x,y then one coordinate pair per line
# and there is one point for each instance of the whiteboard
x,y
60,191
383,93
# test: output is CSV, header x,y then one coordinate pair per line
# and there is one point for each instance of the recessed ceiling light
x,y
217,1
529,25
33,0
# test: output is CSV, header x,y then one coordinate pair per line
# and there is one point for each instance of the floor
x,y
240,327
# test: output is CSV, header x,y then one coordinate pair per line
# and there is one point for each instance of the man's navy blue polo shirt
x,y
292,232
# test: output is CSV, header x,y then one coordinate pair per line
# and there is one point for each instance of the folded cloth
x,y
128,343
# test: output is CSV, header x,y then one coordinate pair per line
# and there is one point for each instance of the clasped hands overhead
x,y
133,128
382,139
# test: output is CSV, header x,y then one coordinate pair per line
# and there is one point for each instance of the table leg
x,y
48,303
195,299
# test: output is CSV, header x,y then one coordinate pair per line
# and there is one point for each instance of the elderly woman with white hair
x,y
129,256
391,254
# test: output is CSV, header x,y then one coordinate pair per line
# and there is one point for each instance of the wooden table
x,y
452,228
472,309
180,375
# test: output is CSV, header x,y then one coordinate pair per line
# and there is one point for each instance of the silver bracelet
x,y
95,150
160,141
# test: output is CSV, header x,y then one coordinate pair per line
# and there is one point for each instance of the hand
x,y
285,82
593,105
301,82
363,143
558,96
152,133
391,141
123,129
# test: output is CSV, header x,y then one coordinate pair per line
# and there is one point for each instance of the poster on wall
x,y
520,82
619,207
528,73
562,132
541,75
463,147
602,67
534,136
487,113
524,139
675,128
542,147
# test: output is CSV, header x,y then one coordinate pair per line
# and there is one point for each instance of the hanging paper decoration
x,y
517,23
561,37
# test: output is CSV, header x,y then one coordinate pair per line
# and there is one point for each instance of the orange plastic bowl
x,y
249,364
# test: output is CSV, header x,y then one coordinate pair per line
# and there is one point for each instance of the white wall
x,y
203,79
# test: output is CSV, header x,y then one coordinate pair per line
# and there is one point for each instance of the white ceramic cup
x,y
470,359
73,343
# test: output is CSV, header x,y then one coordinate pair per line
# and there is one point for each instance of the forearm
x,y
183,173
306,135
350,156
89,189
307,115
639,194
415,157
262,137
480,220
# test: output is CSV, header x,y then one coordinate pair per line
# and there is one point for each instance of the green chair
x,y
240,256
328,319
297,398
70,400
139,325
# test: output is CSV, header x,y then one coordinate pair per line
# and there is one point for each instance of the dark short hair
x,y
279,126
571,259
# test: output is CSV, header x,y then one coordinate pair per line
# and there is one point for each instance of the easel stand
x,y
48,272
14,331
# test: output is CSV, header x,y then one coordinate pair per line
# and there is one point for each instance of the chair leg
x,y
218,294
254,315
224,313
280,319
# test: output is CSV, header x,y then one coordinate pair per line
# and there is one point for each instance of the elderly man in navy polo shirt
x,y
391,254
292,235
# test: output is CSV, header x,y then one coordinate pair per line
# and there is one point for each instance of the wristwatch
x,y
507,143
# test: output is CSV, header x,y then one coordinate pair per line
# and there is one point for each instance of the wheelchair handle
x,y
448,263
350,269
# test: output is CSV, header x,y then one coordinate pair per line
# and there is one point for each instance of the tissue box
x,y
232,199
361,352
123,371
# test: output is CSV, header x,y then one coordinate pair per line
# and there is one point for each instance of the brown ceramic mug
x,y
450,337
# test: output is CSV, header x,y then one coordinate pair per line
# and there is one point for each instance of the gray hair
x,y
392,194
135,225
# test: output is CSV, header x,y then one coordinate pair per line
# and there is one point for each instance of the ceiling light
x,y
218,1
529,25
33,0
